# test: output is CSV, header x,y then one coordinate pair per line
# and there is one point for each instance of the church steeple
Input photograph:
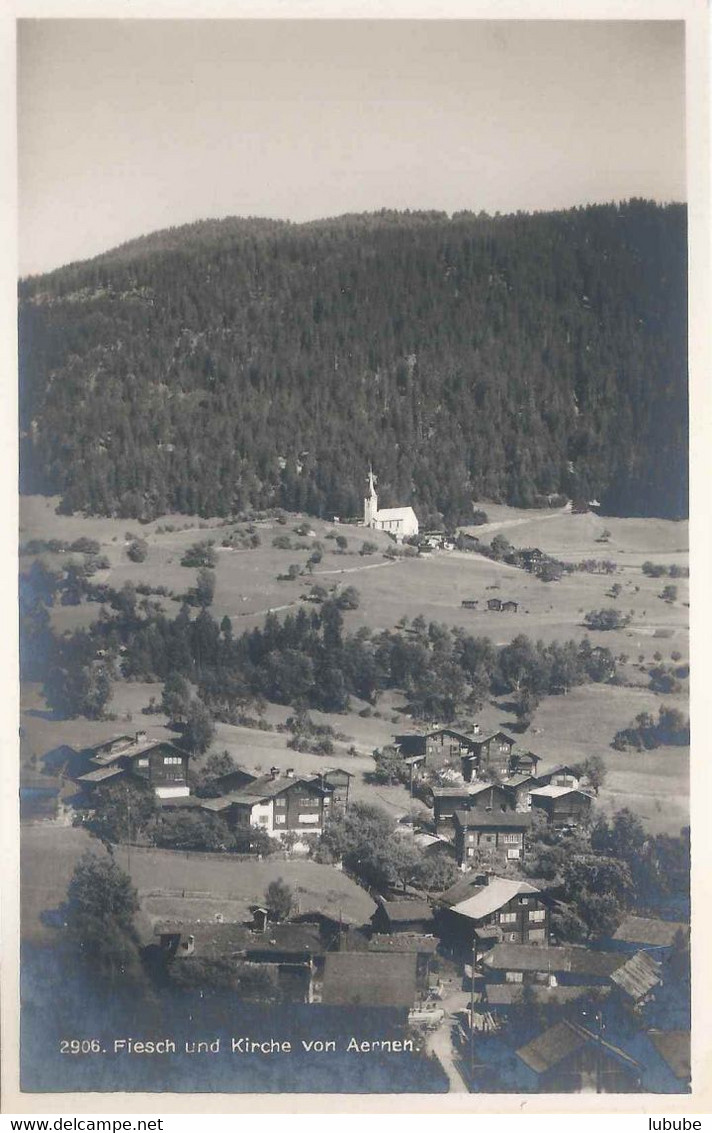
x,y
370,503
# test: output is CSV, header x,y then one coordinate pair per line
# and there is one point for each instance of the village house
x,y
518,789
482,796
656,936
494,603
401,522
560,776
278,804
406,915
436,748
563,806
500,909
490,751
498,834
336,781
509,607
159,763
422,946
290,955
568,1058
634,978
364,979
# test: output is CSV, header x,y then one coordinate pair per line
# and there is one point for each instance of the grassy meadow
x,y
565,728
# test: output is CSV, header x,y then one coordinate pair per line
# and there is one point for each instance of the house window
x,y
280,819
308,818
511,838
537,915
536,934
470,851
524,901
507,918
172,759
306,801
514,977
513,852
143,763
263,819
280,802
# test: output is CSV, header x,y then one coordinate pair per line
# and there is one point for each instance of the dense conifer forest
x,y
254,363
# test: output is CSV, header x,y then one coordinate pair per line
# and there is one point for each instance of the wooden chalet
x,y
159,763
568,1058
406,915
276,803
364,979
500,834
490,751
563,806
478,795
500,909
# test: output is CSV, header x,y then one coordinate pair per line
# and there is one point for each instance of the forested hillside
x,y
252,363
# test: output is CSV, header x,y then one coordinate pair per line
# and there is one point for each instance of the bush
x,y
137,550
200,555
606,619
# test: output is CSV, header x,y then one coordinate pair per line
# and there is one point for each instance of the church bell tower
x,y
370,503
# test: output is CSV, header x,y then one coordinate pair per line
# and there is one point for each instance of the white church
x,y
399,521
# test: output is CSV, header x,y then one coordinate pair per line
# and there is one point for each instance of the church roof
x,y
395,513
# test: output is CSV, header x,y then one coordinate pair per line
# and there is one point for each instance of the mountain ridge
x,y
249,362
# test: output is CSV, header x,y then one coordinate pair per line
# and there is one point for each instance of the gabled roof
x,y
403,942
650,931
370,978
550,792
554,958
133,750
467,790
558,770
637,976
217,941
499,819
492,897
501,995
100,775
483,737
562,1040
385,513
403,911
518,780
674,1048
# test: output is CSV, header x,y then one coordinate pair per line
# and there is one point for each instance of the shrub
x,y
137,550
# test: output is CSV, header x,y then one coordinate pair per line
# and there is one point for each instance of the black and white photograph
x,y
354,571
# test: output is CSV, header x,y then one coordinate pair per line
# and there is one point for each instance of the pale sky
x,y
128,126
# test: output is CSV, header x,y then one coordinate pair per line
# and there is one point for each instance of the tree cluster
x,y
256,363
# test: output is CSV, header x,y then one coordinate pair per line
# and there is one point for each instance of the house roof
x,y
550,792
370,978
674,1048
492,897
518,780
334,771
559,1042
637,976
649,930
403,942
218,941
132,751
179,802
267,787
484,820
466,790
483,737
100,775
502,995
403,911
555,958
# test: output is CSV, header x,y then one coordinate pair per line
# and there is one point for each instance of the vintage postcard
x,y
354,570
